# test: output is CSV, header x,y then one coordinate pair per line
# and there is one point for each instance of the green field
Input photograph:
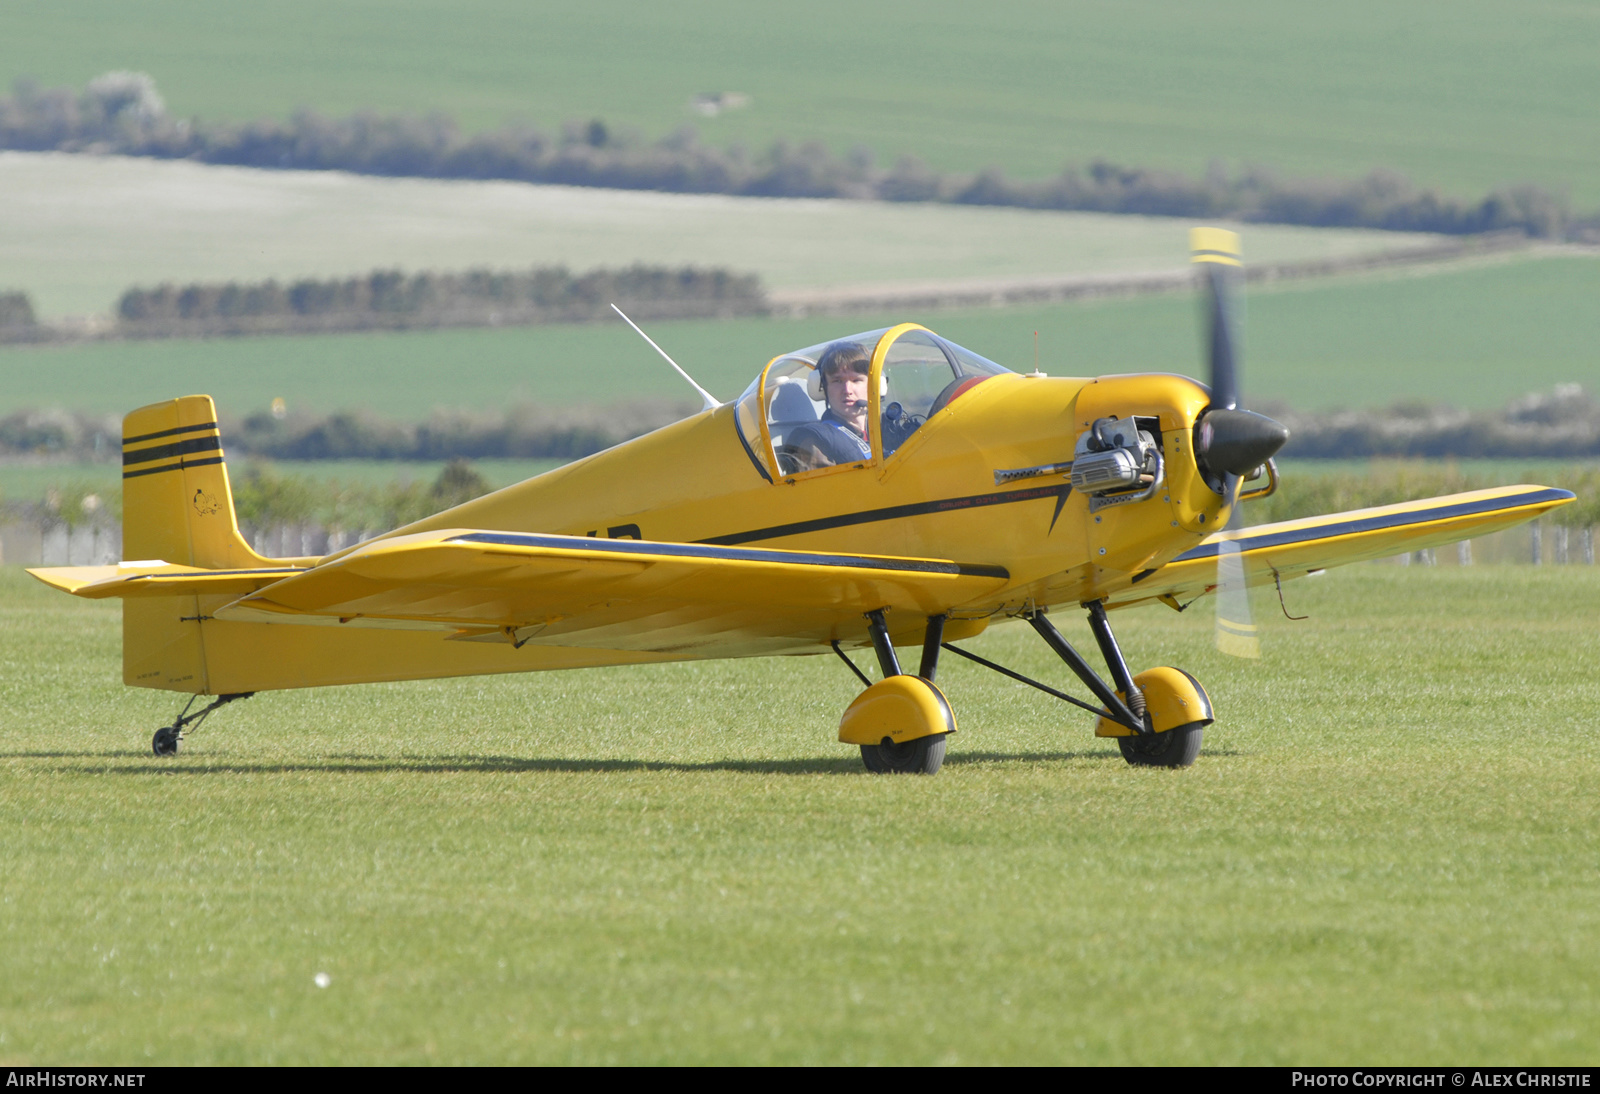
x,y
1466,96
29,481
1469,335
79,230
1388,854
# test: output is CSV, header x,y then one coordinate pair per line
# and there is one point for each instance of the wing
x,y
1294,548
617,594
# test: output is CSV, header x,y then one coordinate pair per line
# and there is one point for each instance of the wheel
x,y
1174,748
165,742
922,756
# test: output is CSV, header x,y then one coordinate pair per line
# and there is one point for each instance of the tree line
x,y
122,112
1560,424
395,300
524,431
391,299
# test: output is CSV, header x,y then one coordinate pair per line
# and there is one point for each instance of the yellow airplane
x,y
882,490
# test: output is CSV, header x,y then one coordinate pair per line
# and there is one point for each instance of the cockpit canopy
x,y
788,416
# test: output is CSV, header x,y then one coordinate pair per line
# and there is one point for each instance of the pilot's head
x,y
843,369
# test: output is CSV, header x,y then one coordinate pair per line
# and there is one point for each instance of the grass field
x,y
1465,96
1388,854
79,230
1470,335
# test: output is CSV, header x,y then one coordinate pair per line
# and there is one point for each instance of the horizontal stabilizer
x,y
157,578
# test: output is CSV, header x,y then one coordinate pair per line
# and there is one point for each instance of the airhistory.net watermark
x,y
46,1077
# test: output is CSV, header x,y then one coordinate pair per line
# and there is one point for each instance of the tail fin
x,y
177,507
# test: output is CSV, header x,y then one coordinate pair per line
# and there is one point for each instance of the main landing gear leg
x,y
932,639
1120,711
1101,627
167,738
902,721
887,661
1177,746
1159,722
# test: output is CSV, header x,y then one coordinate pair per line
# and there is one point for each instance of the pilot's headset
x,y
840,354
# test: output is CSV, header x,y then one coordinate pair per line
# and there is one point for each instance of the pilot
x,y
840,436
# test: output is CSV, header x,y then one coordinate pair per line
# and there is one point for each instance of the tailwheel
x,y
167,738
923,756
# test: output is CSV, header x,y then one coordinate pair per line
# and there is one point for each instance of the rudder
x,y
177,506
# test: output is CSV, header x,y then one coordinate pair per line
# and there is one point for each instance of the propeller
x,y
1229,442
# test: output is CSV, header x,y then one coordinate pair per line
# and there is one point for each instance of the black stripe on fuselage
x,y
179,466
728,554
176,448
892,512
169,433
1379,523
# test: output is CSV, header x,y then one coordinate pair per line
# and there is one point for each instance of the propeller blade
x,y
1228,441
1216,251
1236,628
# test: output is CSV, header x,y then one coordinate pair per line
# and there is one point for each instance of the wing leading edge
x,y
1297,547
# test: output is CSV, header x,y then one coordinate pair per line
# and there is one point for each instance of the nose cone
x,y
1236,441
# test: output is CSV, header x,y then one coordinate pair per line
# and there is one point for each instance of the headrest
x,y
790,403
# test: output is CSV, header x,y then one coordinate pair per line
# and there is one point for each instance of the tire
x,y
165,742
1174,748
922,756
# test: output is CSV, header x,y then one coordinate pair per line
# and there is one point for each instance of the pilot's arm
x,y
825,444
804,450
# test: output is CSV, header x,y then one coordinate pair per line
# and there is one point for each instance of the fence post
x,y
1561,545
1588,545
1464,552
1538,544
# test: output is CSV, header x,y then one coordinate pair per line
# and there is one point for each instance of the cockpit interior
x,y
852,401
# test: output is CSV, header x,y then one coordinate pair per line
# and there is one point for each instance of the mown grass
x,y
80,230
1386,855
1466,97
1473,336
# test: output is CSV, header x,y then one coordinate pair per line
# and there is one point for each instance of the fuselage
x,y
937,496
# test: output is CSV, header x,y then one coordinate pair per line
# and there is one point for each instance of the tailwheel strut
x,y
167,738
